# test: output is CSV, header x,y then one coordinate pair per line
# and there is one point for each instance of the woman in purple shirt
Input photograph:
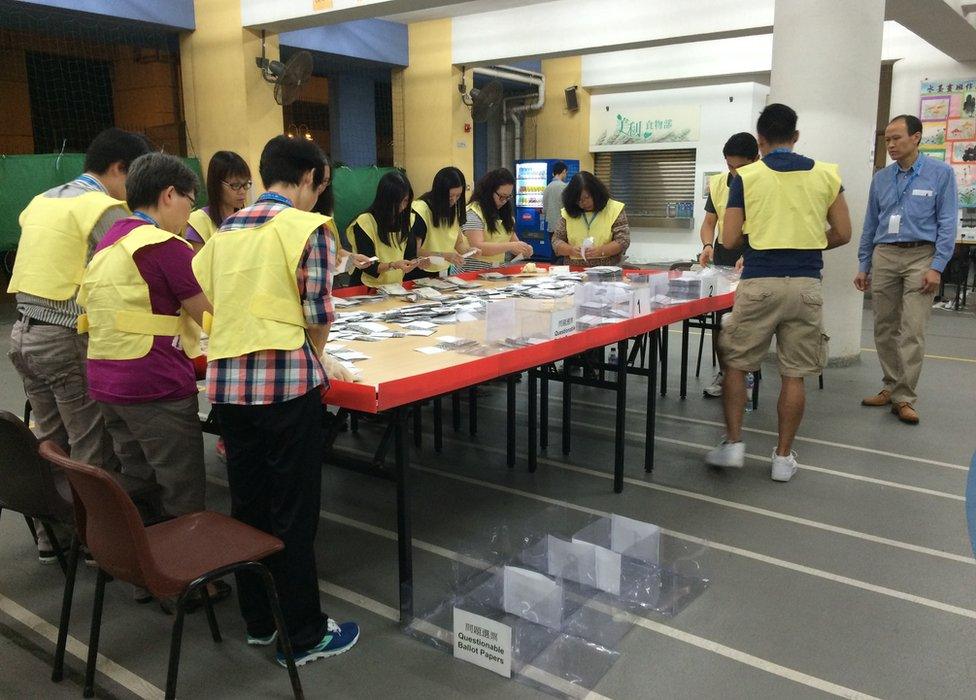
x,y
228,182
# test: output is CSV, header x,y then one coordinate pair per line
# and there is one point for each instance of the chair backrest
x,y
106,519
28,484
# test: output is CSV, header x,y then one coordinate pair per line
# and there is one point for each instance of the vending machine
x,y
531,178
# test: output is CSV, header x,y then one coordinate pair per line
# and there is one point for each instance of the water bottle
x,y
750,383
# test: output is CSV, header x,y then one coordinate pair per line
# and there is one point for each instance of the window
x,y
650,183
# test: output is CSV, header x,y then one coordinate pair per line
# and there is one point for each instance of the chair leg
x,y
211,617
27,412
283,638
69,590
96,628
701,348
820,381
31,527
58,551
174,649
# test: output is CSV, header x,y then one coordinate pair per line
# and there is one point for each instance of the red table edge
x,y
399,392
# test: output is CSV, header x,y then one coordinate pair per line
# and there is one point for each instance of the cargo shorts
x,y
790,308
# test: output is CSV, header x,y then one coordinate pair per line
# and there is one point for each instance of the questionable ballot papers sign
x,y
483,642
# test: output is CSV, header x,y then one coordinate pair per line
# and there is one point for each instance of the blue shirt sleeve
x,y
866,248
947,218
737,197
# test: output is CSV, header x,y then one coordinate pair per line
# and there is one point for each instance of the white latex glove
x,y
334,370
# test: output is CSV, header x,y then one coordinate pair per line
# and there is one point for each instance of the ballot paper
x,y
517,259
585,563
369,327
394,290
607,563
420,332
428,293
420,325
430,350
470,252
350,355
635,538
436,260
532,596
343,302
587,243
332,346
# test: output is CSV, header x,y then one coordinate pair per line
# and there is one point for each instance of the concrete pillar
x,y
434,116
352,116
826,66
228,105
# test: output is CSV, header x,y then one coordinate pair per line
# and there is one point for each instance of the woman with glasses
x,y
490,224
593,229
437,218
325,205
383,232
228,182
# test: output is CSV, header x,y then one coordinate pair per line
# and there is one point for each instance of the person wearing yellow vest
x,y
593,229
383,232
59,229
139,296
346,260
266,271
490,222
437,217
228,182
741,149
794,209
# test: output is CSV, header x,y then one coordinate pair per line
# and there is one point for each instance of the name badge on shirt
x,y
922,193
894,223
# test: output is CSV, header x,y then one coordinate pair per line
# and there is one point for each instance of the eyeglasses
x,y
193,200
238,186
504,197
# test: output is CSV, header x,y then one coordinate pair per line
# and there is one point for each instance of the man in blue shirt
x,y
908,237
785,200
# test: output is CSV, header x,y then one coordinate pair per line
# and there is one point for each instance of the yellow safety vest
x,y
202,224
440,239
600,228
53,245
386,253
249,276
118,314
497,235
788,209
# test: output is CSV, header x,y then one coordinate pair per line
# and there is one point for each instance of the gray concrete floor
x,y
856,577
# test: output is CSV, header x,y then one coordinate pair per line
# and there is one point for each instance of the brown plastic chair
x,y
172,559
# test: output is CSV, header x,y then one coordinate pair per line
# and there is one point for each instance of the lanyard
x,y
275,197
908,184
145,217
589,221
91,182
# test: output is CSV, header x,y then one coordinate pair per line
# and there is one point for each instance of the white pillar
x,y
826,66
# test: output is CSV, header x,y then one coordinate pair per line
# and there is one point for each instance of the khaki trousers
x,y
901,311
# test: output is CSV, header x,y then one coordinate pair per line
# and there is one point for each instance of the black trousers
x,y
274,466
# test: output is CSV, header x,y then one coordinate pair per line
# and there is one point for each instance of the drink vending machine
x,y
531,178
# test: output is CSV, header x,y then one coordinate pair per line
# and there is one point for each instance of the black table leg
x,y
567,410
510,412
685,332
473,411
544,409
404,536
456,411
620,434
651,404
438,425
533,447
418,428
664,360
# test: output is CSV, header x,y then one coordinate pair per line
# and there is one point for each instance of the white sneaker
x,y
714,390
727,454
783,467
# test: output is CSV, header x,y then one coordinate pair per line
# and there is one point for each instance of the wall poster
x,y
947,109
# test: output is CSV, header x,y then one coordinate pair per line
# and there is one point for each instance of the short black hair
x,y
114,146
742,145
913,123
483,196
286,160
151,174
325,204
584,180
558,167
777,123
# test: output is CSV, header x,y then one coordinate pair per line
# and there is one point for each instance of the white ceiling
x,y
457,9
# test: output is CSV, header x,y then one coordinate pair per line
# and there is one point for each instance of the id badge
x,y
894,223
